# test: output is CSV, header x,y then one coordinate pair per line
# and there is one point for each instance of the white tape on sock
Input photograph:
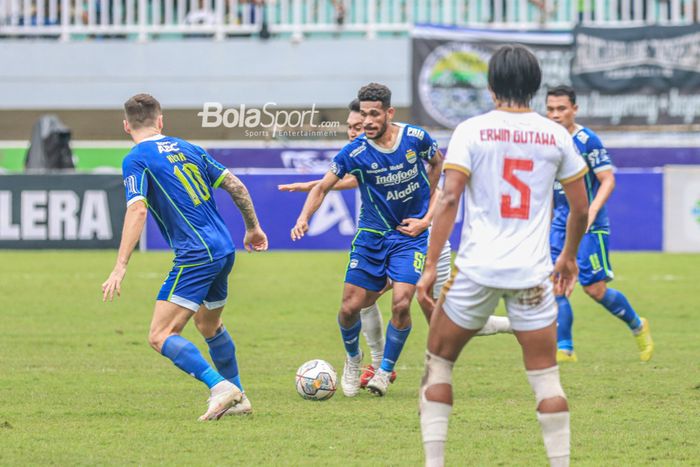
x,y
545,383
556,435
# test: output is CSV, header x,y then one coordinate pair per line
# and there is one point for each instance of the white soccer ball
x,y
316,380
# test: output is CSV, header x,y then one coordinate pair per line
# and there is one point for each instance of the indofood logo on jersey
x,y
452,84
397,177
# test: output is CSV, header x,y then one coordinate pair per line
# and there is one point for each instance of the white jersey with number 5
x,y
513,160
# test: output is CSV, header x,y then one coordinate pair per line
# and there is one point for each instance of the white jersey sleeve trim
x,y
136,198
603,168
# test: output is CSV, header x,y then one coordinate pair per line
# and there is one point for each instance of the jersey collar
x,y
396,145
153,138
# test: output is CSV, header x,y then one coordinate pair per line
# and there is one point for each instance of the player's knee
x,y
549,394
436,385
207,327
595,291
349,310
401,306
156,339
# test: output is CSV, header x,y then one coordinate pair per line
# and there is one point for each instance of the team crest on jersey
x,y
375,166
582,136
167,146
353,263
411,156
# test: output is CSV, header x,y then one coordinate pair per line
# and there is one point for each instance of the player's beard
x,y
381,131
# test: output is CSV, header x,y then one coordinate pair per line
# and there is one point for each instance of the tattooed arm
x,y
255,238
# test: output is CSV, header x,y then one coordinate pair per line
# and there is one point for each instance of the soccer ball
x,y
316,380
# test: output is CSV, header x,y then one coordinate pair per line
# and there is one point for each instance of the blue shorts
x,y
191,286
374,257
592,257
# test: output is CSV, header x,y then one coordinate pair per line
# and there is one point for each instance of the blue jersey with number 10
x,y
588,145
176,179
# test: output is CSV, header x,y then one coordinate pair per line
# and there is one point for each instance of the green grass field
x,y
80,385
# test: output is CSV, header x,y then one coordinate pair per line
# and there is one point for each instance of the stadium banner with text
x,y
682,209
641,75
638,76
450,65
636,206
61,211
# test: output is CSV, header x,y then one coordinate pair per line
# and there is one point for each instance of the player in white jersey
x,y
507,161
372,323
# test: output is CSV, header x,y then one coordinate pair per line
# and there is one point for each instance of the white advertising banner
x,y
682,209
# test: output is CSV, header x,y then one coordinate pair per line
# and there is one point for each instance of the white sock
x,y
373,330
557,437
433,422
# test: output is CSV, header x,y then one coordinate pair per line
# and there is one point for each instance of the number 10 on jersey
x,y
193,182
522,211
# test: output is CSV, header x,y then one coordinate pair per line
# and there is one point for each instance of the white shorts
x,y
469,304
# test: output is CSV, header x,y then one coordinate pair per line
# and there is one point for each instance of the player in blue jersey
x,y
388,163
595,270
372,325
175,179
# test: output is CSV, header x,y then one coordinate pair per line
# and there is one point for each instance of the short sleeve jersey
x,y
513,160
591,150
176,180
393,182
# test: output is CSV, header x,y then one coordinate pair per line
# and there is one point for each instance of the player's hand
x,y
255,240
300,186
299,229
113,283
424,288
413,227
565,274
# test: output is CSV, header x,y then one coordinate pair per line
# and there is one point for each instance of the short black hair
x,y
514,74
563,90
142,110
354,105
375,92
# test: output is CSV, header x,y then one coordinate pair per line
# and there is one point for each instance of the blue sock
x,y
565,322
187,357
395,339
223,354
616,303
351,338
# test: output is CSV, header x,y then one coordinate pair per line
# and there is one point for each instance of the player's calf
x,y
435,403
552,413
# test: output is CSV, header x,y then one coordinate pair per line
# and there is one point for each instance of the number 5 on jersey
x,y
522,211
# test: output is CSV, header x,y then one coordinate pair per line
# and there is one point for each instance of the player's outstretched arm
x,y
255,239
443,223
435,169
313,202
565,269
134,220
347,183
